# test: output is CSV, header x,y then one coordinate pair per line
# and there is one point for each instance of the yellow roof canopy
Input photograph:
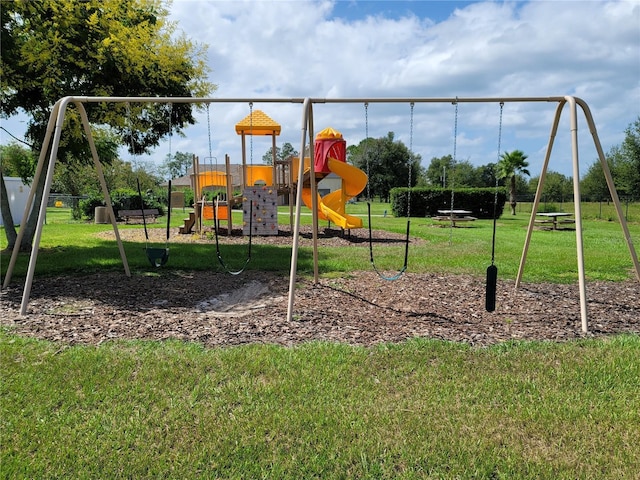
x,y
328,133
257,123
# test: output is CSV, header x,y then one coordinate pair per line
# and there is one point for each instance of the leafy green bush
x,y
87,206
188,197
548,208
426,201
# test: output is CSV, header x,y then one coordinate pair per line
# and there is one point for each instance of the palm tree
x,y
510,164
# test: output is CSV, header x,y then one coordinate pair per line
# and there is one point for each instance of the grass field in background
x,y
414,410
68,246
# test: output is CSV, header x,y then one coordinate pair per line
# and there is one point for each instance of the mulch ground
x,y
217,309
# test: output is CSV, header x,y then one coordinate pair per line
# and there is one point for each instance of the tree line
x,y
387,162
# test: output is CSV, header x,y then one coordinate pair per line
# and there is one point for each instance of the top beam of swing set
x,y
56,120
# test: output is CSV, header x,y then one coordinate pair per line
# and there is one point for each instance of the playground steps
x,y
188,223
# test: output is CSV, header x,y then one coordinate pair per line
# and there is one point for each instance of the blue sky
x,y
337,49
434,10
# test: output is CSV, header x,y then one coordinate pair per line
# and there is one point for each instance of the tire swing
x,y
492,270
406,248
215,217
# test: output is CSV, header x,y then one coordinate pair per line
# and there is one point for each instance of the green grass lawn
x,y
419,409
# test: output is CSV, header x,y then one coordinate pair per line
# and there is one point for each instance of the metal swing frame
x,y
46,164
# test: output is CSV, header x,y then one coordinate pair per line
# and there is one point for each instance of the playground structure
x,y
257,176
51,144
270,180
330,157
263,184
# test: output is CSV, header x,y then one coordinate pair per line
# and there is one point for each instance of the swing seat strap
x,y
219,255
406,251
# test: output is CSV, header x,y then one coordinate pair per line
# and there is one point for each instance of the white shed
x,y
18,194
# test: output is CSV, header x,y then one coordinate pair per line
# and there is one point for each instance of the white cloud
x,y
485,49
283,49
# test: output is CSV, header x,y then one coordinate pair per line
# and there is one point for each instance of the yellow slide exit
x,y
332,206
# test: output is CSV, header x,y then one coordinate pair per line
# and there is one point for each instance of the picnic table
x,y
552,218
454,216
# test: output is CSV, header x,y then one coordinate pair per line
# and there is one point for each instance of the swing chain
x,y
366,147
406,247
251,132
453,163
495,195
455,129
209,130
410,161
500,135
170,129
130,125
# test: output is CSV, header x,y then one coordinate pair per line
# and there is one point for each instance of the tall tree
x,y
442,172
177,165
75,176
557,187
510,165
437,171
56,48
387,163
624,164
283,153
486,175
631,151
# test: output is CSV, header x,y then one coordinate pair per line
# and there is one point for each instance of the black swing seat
x,y
157,256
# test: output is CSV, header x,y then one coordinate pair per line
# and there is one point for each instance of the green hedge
x,y
425,202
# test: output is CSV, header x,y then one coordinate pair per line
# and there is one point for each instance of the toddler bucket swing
x,y
157,256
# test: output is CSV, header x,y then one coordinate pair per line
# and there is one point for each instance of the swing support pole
x,y
573,102
296,225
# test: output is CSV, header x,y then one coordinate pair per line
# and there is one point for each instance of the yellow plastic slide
x,y
332,206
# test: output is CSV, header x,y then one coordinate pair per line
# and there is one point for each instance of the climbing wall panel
x,y
261,203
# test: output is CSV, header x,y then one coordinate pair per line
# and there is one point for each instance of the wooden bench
x,y
150,215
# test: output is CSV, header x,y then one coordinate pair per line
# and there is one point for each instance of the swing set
x,y
51,142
